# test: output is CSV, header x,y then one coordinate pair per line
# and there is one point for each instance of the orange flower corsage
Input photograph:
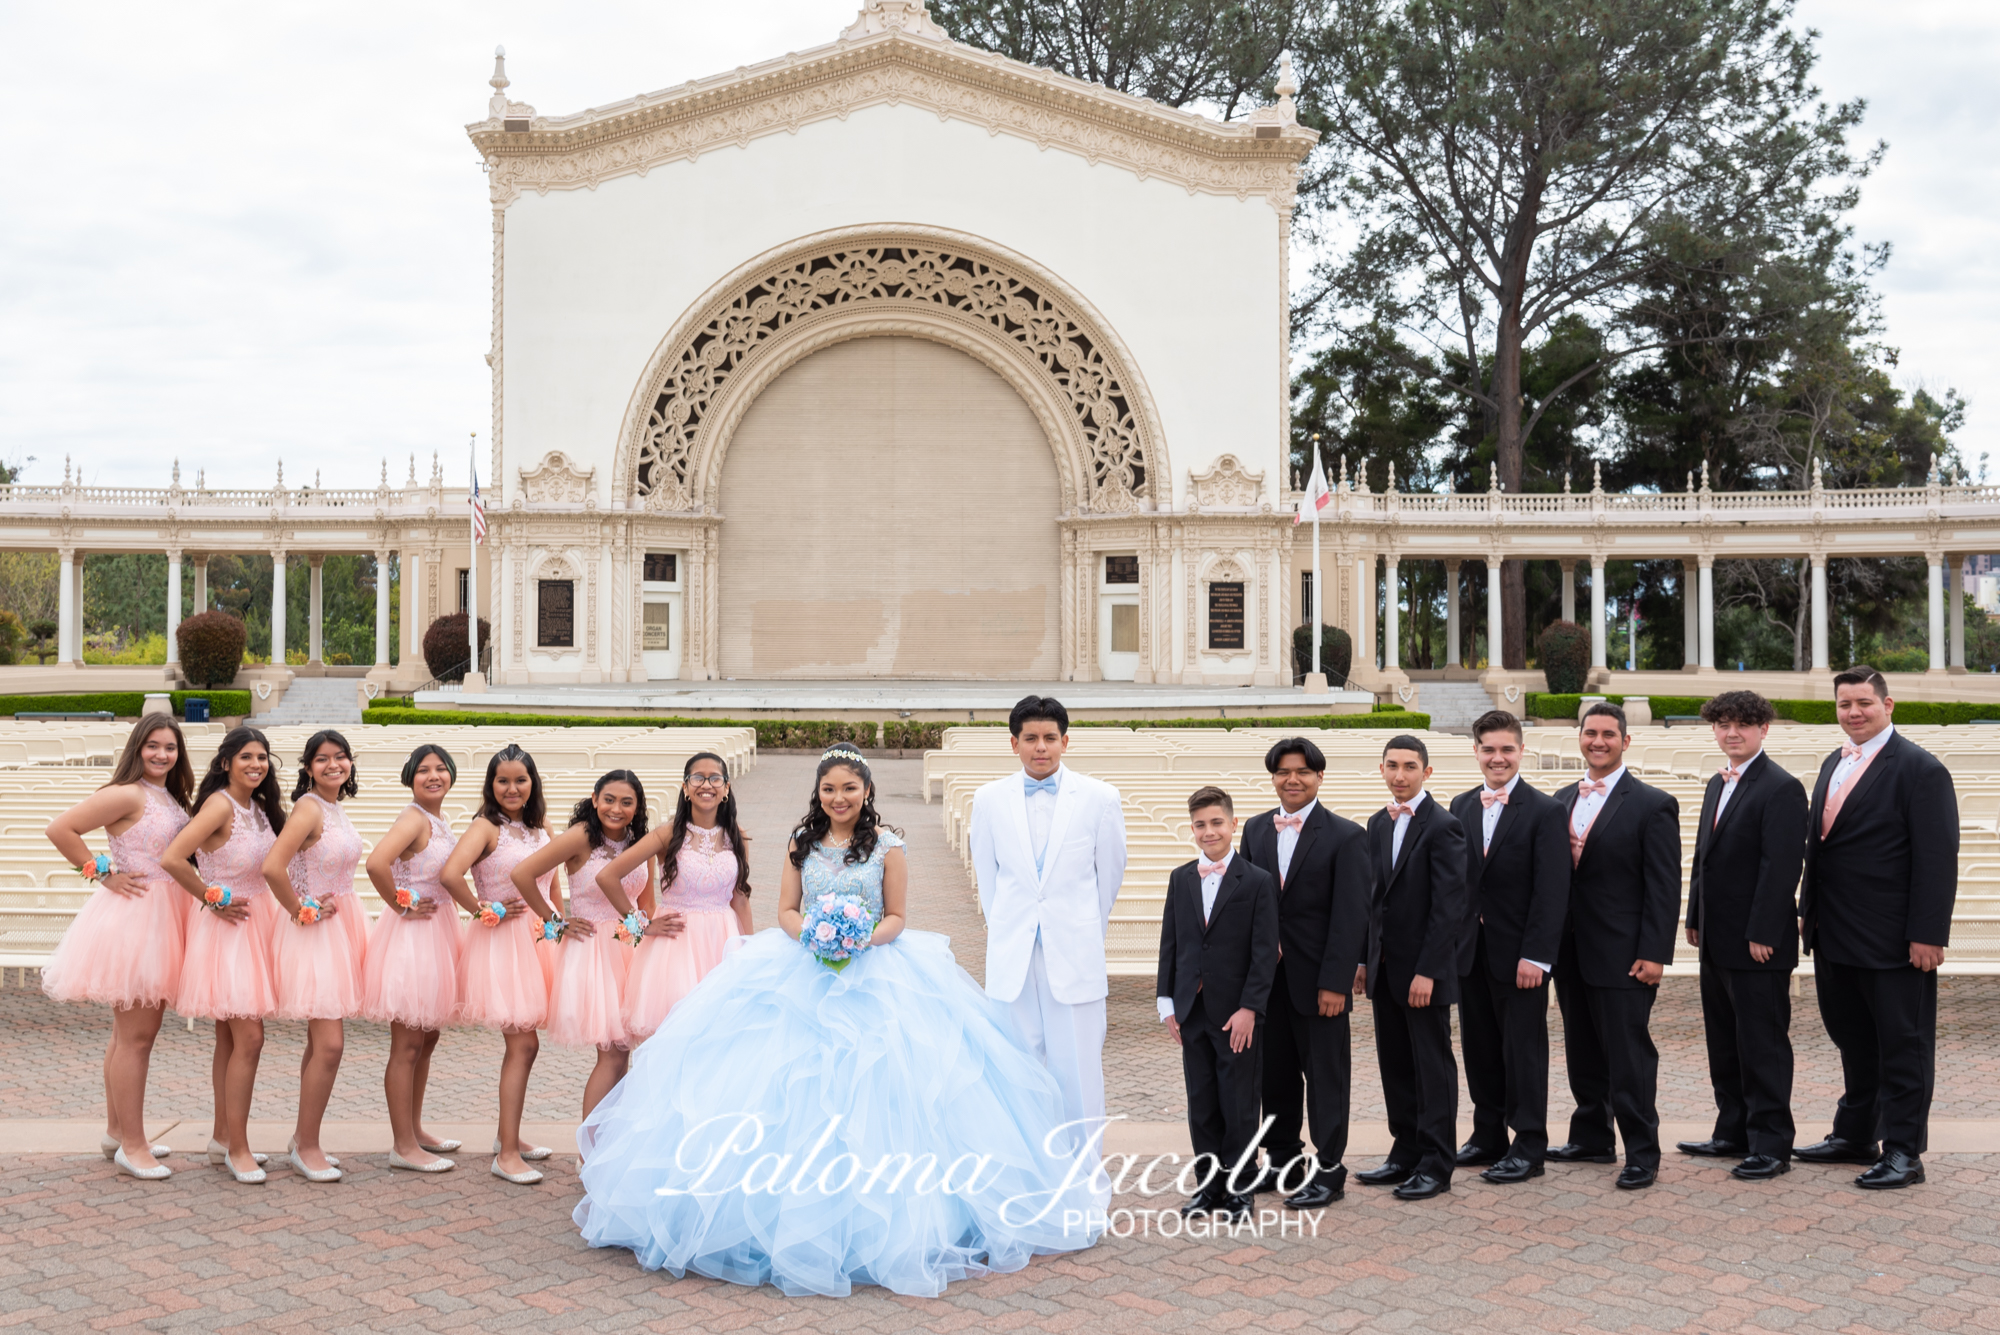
x,y
217,897
308,913
404,899
492,913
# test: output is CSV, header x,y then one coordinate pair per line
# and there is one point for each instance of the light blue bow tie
x,y
1031,786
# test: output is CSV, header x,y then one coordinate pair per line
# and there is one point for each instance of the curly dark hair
x,y
1747,708
313,744
725,816
216,780
584,813
813,827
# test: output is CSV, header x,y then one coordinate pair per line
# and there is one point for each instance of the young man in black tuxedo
x,y
1218,952
1624,902
1416,923
1881,879
1517,869
1320,862
1743,917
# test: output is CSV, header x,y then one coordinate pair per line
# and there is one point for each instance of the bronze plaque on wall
x,y
1225,615
662,568
555,614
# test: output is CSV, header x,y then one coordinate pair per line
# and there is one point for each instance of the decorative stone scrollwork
x,y
944,285
1227,484
557,480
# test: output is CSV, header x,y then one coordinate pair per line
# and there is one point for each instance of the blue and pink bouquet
x,y
837,927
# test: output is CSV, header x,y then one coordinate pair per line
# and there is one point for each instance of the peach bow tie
x,y
1285,822
1492,797
1209,869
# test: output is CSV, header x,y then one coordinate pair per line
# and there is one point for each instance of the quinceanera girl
x,y
124,949
924,1143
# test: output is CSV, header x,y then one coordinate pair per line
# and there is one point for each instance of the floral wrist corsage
x,y
217,897
405,901
492,913
96,869
632,928
553,928
308,913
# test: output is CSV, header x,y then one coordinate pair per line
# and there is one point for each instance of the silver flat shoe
x,y
533,1154
332,1174
435,1166
527,1179
110,1148
159,1172
252,1178
218,1155
442,1147
292,1152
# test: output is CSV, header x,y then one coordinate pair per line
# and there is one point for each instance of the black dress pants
x,y
1583,1056
1308,1071
1419,1080
1503,1030
1222,1092
1884,1021
1747,1016
1617,1020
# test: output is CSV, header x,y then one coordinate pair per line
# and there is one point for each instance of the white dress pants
x,y
1069,1040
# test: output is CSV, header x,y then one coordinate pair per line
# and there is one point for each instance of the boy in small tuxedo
x,y
1416,924
1218,954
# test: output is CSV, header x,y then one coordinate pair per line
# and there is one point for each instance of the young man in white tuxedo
x,y
1048,849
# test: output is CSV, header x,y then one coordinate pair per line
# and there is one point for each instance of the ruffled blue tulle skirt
x,y
814,1130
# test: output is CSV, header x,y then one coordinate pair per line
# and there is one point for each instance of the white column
x,y
1937,611
1569,590
412,637
1955,603
1451,593
1691,614
1707,611
1392,629
1597,612
173,606
66,601
382,608
200,585
1364,612
313,636
277,609
1820,651
1495,627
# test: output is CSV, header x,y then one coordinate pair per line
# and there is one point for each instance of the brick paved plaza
x,y
85,1249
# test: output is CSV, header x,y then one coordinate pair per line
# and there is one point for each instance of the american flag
x,y
478,511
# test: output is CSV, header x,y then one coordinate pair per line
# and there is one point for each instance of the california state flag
x,y
1316,495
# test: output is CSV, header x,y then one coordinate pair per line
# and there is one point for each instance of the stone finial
x,y
177,472
909,17
413,468
1343,474
1932,476
1392,476
1597,476
496,106
1565,482
437,469
1690,481
315,479
65,470
385,470
1704,475
281,475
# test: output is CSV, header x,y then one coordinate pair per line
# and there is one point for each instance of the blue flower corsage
x,y
553,929
634,927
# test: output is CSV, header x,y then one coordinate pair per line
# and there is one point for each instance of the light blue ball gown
x,y
899,1054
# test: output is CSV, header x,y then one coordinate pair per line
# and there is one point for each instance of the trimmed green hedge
x,y
1542,705
124,704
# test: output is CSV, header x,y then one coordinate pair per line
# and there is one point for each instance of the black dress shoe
x,y
1202,1202
1835,1150
1896,1169
1512,1169
1316,1194
1267,1179
1233,1209
1472,1156
1633,1178
1388,1175
1761,1168
1578,1154
1713,1149
1421,1187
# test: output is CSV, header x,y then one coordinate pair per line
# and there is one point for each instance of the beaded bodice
x,y
239,863
492,875
327,868
418,873
827,869
137,851
586,900
704,872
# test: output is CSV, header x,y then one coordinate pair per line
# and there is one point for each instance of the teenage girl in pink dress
x,y
586,1003
226,976
704,881
410,981
500,980
125,946
319,955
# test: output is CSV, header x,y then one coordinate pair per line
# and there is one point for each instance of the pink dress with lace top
x,y
587,999
228,973
320,966
121,950
411,974
501,982
668,967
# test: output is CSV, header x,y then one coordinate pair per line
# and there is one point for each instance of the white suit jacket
x,y
1068,903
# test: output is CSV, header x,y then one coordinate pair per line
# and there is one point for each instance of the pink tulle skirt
x,y
227,974
319,968
121,951
666,968
410,976
547,954
500,980
586,1004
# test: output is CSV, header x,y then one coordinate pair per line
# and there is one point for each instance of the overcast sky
x,y
238,232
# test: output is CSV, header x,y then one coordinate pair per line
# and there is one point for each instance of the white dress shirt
x,y
1489,818
1589,804
1288,840
1848,764
1210,885
1729,785
1041,813
1403,827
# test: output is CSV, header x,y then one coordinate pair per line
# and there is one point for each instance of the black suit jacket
x,y
1887,874
1416,919
1518,888
1746,869
1231,958
1322,903
1625,893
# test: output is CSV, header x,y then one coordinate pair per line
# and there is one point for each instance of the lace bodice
x,y
239,863
826,869
137,851
327,868
492,875
586,900
705,872
418,873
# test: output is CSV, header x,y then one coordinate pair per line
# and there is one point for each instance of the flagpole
x,y
1319,590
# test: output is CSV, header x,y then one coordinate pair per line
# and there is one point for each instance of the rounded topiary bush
x,y
1564,650
1336,652
211,646
447,650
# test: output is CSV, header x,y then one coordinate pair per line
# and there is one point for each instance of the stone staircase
x,y
1451,704
317,702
